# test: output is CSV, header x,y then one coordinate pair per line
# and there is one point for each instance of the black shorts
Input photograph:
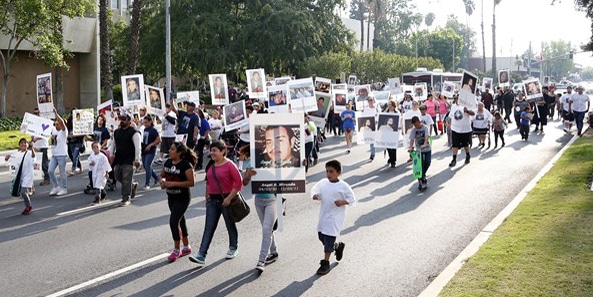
x,y
480,131
166,143
328,242
460,140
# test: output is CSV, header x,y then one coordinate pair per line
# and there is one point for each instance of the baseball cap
x,y
190,103
124,117
255,104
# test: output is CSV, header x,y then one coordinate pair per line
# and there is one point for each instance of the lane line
x,y
108,203
108,275
437,285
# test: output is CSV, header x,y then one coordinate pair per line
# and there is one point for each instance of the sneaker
x,y
62,192
324,267
45,182
54,191
96,201
103,196
232,253
199,259
340,251
146,188
156,184
134,189
124,203
453,163
392,165
89,191
173,256
71,173
77,170
185,251
261,266
372,157
467,160
27,210
271,258
158,161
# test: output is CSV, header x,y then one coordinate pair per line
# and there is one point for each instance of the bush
x,y
10,123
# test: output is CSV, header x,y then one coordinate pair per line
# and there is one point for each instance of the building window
x,y
114,4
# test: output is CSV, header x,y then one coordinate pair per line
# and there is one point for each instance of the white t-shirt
x,y
564,101
482,120
215,133
579,102
168,129
59,144
426,119
41,143
27,174
331,217
100,167
407,105
460,121
371,111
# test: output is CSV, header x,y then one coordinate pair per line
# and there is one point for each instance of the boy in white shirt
x,y
100,168
334,194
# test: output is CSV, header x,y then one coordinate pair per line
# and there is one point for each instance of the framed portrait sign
x,y
256,83
235,115
487,83
133,90
340,100
395,86
319,116
533,89
388,130
323,85
448,89
278,99
282,80
366,129
467,92
218,89
362,94
155,100
45,101
503,78
302,95
83,121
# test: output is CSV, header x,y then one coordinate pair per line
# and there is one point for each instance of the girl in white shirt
x,y
26,156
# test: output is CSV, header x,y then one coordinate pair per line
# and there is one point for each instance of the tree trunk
x,y
483,41
4,86
361,32
106,75
135,25
494,40
59,91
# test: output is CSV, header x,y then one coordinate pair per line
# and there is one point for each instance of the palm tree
x,y
135,25
483,40
106,76
496,2
469,10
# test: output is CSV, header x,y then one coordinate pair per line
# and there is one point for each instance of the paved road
x,y
397,239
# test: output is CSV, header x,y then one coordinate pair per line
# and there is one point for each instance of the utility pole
x,y
169,89
453,61
529,61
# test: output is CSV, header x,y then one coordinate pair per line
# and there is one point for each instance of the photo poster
x,y
105,108
270,83
282,80
467,92
546,82
362,94
323,85
45,101
340,100
448,89
235,115
387,134
503,78
366,126
133,89
181,138
82,121
37,126
277,151
155,100
218,89
302,95
420,91
339,87
352,80
487,83
278,99
319,116
395,86
533,89
184,97
255,83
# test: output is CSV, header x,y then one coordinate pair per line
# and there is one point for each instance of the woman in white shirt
x,y
59,156
27,159
481,121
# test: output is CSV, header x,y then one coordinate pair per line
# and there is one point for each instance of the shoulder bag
x,y
238,209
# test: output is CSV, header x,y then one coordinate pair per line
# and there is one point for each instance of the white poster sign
x,y
395,86
218,89
323,85
366,129
302,95
235,115
82,121
45,101
155,99
255,83
388,130
133,90
278,99
37,126
448,89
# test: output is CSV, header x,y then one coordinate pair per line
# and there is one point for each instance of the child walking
x,y
419,135
498,127
334,195
525,119
99,168
24,164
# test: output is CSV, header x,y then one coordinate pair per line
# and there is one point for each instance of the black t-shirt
x,y
176,172
100,134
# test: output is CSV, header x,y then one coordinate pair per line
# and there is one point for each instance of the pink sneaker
x,y
174,255
185,251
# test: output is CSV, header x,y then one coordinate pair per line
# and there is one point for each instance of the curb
x,y
437,285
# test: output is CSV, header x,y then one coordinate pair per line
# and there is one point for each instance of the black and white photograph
x,y
256,83
388,130
218,89
156,99
133,90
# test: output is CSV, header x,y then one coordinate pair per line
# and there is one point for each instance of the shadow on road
x,y
297,288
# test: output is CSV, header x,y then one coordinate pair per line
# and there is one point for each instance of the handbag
x,y
15,186
238,209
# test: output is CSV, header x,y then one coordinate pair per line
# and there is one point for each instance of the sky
x,y
517,23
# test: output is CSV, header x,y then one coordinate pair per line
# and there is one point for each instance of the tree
x,y
495,2
135,26
444,45
429,19
394,20
469,10
587,6
483,40
358,9
469,44
40,23
556,62
105,58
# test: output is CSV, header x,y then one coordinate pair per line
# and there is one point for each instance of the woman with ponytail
x,y
176,178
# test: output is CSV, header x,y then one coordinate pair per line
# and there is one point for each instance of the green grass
x,y
9,140
545,248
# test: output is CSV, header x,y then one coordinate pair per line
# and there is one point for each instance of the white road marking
x,y
109,275
108,203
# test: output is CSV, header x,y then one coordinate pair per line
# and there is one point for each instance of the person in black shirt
x,y
125,149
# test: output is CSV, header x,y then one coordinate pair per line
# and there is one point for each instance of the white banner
x,y
388,130
37,126
45,101
82,121
302,95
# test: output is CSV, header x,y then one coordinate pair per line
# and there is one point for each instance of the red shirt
x,y
229,177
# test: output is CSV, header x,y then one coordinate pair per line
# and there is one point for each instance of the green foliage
x,y
557,64
394,20
10,123
117,94
329,65
469,43
441,44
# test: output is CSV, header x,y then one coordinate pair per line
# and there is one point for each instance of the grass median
x,y
545,247
9,140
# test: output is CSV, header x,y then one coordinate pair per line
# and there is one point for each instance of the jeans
x,y
214,209
579,116
498,134
55,162
524,130
178,206
75,148
372,146
147,163
434,125
308,151
267,211
426,159
124,174
44,163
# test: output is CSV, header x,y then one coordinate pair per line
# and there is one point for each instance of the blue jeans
x,y
214,209
308,151
372,150
579,116
147,163
53,163
75,148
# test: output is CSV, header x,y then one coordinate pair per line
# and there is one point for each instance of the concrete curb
x,y
437,285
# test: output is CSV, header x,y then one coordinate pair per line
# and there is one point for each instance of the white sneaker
x,y
77,170
62,192
231,253
54,191
146,188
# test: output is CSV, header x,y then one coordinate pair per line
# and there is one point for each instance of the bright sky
x,y
517,23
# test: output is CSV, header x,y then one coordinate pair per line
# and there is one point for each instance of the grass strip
x,y
9,140
545,247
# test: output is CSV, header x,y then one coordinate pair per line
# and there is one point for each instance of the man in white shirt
x,y
564,107
461,131
580,106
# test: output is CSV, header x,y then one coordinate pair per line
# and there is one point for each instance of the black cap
x,y
191,104
124,117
